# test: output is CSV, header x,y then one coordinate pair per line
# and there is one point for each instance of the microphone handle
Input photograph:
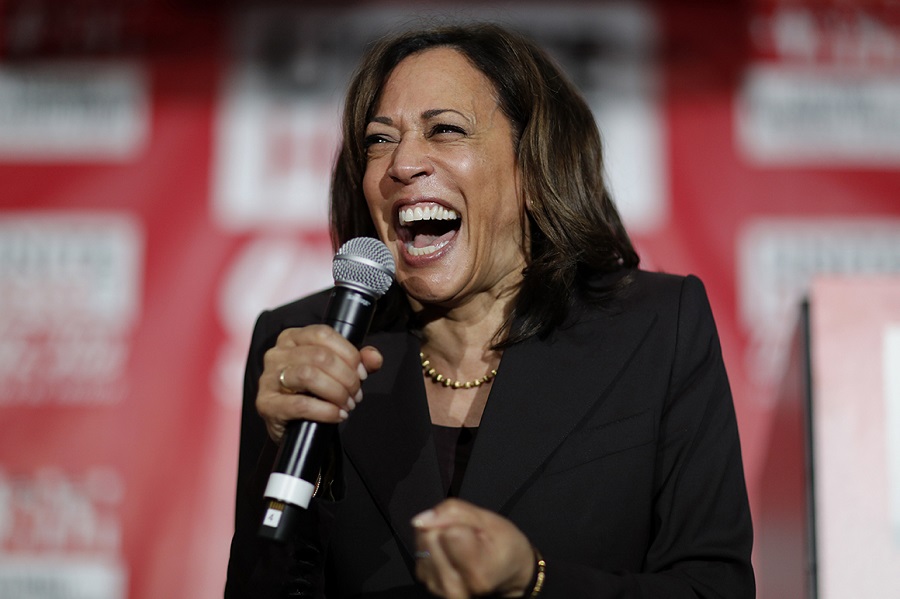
x,y
298,463
350,313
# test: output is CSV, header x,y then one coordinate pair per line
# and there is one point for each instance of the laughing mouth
x,y
425,229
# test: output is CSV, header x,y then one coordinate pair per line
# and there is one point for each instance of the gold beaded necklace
x,y
448,382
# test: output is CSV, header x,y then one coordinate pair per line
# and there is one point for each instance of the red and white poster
x,y
164,175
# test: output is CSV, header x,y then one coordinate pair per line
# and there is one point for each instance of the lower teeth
x,y
414,251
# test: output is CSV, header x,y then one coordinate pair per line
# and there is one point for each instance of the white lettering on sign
x,y
819,116
61,535
277,125
73,111
69,297
272,160
268,271
50,511
852,34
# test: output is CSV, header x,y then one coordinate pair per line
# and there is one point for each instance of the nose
x,y
410,160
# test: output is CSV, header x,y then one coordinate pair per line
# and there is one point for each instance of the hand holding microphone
x,y
312,380
312,373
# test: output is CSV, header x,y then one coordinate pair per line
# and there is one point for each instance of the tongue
x,y
423,240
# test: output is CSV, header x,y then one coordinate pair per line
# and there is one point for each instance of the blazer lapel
x,y
388,437
544,388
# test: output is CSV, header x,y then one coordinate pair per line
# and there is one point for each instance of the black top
x,y
454,446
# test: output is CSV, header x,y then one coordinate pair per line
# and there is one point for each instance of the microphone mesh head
x,y
365,264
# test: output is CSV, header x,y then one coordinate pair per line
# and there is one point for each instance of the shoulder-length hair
x,y
576,233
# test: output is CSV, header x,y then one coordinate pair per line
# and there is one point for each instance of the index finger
x,y
435,569
450,512
320,335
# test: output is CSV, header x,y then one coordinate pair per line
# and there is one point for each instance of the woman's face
x,y
441,180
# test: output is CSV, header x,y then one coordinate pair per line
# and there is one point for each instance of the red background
x,y
173,443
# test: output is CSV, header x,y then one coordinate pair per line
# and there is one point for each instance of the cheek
x,y
373,197
368,185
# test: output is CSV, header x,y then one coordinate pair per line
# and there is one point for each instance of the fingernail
x,y
343,414
363,375
351,404
423,519
358,397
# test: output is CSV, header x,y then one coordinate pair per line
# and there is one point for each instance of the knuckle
x,y
451,507
285,337
262,403
304,372
299,405
309,407
456,534
322,357
270,356
320,332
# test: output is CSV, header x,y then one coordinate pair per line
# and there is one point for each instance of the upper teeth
x,y
417,213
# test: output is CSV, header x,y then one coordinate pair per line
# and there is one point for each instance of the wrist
x,y
531,587
540,573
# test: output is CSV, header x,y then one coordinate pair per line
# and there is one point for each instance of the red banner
x,y
164,178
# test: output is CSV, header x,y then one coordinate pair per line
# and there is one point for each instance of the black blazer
x,y
612,444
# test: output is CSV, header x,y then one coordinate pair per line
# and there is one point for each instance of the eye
x,y
374,139
445,128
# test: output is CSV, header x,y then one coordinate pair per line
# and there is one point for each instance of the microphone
x,y
363,270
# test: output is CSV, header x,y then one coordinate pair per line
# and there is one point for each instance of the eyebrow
x,y
428,114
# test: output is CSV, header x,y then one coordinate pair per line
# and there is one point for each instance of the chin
x,y
427,292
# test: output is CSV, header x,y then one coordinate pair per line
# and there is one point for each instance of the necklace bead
x,y
448,382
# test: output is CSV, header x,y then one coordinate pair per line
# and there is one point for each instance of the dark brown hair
x,y
576,233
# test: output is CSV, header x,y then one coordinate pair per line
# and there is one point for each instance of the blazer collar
x,y
388,436
543,389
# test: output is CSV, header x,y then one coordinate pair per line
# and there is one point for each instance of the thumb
x,y
372,360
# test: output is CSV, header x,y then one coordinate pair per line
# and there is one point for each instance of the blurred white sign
x,y
61,535
70,293
808,115
29,577
277,124
73,111
266,273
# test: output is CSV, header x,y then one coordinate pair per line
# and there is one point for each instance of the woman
x,y
594,452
